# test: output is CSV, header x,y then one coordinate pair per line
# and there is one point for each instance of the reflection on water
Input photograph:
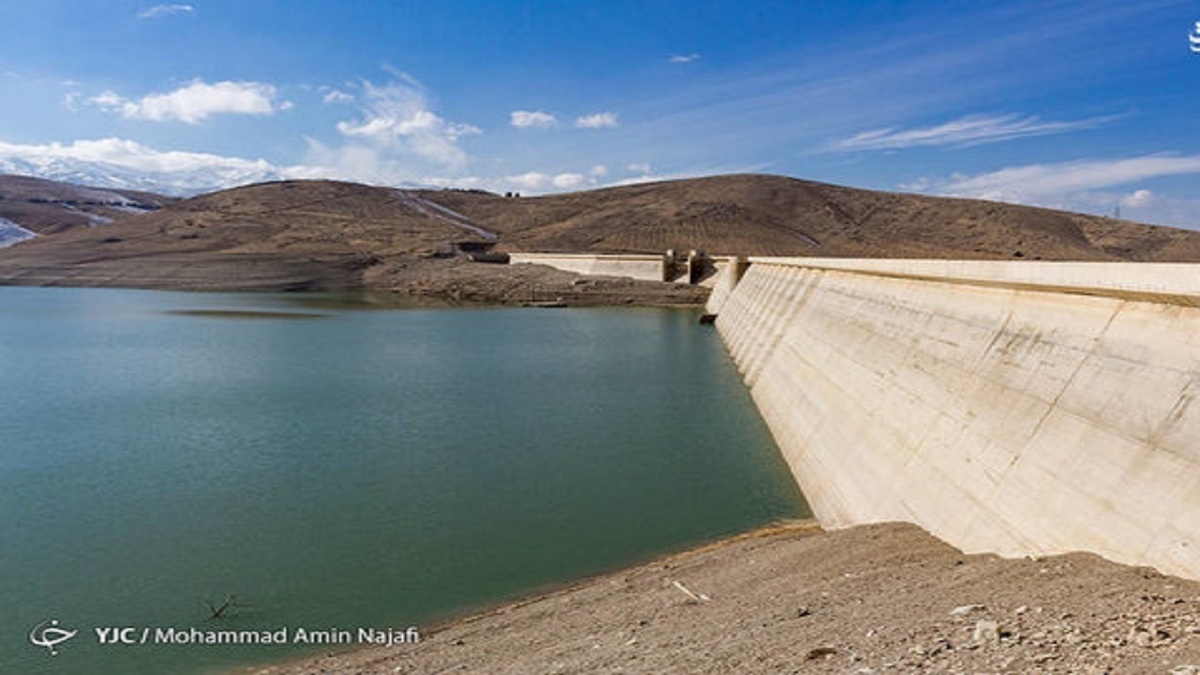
x,y
244,314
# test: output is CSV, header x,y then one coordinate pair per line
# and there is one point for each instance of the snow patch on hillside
x,y
439,212
12,233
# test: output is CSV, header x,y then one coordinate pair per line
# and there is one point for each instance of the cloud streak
x,y
125,153
196,101
1035,183
965,131
526,119
1088,186
165,10
601,120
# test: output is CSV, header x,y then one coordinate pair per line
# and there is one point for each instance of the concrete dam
x,y
1019,408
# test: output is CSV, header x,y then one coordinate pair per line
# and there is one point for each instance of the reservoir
x,y
335,466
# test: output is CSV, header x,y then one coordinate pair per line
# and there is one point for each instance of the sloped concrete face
x,y
646,267
1015,417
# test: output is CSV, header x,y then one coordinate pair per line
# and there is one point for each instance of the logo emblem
x,y
47,634
1194,38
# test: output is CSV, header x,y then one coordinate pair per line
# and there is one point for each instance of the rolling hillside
x,y
324,234
50,207
775,215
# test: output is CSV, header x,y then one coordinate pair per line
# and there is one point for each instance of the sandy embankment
x,y
871,599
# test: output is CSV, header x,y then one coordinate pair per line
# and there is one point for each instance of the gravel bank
x,y
873,599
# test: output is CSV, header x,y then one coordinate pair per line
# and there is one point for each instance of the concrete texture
x,y
1016,408
646,267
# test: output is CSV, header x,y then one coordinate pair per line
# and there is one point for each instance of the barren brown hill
x,y
297,218
776,215
324,234
289,235
51,207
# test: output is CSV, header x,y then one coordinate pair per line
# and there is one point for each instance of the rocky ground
x,y
871,599
455,279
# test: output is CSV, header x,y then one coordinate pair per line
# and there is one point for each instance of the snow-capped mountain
x,y
180,182
123,164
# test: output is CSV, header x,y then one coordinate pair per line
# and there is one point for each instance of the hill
x,y
328,235
776,215
51,207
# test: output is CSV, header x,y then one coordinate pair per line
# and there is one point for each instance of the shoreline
x,y
452,281
483,613
873,598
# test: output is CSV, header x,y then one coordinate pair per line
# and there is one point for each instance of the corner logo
x,y
1194,38
47,634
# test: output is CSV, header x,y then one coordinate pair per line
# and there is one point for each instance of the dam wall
x,y
647,267
1009,407
693,268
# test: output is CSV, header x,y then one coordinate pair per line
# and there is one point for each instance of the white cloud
x,y
639,167
197,101
396,118
1033,183
968,130
537,181
533,180
352,162
524,119
684,58
165,10
107,99
597,121
335,96
569,181
117,162
125,153
1138,198
1088,186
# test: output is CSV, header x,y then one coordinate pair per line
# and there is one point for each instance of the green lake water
x,y
337,467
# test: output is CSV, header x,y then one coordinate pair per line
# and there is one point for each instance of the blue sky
x,y
1079,105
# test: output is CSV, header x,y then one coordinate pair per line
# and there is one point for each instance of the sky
x,y
1085,106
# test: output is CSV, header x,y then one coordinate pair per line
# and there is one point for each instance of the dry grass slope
x,y
775,215
50,207
325,234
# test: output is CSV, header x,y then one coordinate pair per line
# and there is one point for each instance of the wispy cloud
x,y
165,10
599,120
1094,185
525,119
529,182
396,118
1034,182
803,102
684,58
538,181
965,131
196,102
333,96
